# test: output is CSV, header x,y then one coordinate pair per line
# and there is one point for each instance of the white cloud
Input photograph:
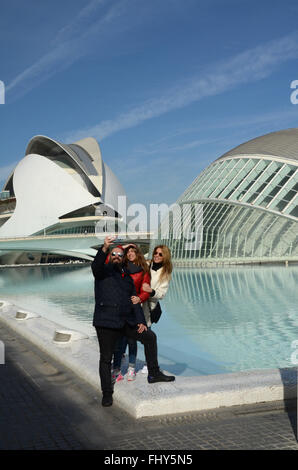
x,y
71,43
250,124
249,66
79,22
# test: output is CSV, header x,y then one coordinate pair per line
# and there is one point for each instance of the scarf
x,y
156,266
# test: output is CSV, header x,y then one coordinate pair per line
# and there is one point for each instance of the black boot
x,y
107,399
160,377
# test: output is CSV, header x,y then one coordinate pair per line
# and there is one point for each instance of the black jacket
x,y
113,290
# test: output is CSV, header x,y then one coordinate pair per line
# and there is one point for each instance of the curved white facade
x,y
112,188
248,206
44,192
57,189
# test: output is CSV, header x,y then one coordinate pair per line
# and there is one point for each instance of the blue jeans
x,y
120,350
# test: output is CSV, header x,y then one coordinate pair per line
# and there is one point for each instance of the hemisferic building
x,y
248,200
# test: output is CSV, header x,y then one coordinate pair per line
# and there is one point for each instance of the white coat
x,y
160,287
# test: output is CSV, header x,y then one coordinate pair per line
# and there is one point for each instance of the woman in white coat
x,y
160,272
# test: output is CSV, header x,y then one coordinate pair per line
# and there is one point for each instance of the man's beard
x,y
117,266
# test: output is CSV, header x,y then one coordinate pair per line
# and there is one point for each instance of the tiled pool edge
x,y
186,394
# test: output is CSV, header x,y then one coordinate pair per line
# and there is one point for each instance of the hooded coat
x,y
113,288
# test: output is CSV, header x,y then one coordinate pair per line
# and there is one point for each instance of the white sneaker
x,y
131,374
145,369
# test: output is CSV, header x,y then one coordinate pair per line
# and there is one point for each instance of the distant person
x,y
137,266
115,315
160,273
105,227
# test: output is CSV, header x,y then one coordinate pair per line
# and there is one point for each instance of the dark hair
x,y
140,259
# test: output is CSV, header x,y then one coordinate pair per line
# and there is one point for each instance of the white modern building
x,y
248,201
54,198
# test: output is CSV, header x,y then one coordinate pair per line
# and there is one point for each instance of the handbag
x,y
155,313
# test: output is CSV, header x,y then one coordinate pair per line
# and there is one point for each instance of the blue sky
x,y
165,86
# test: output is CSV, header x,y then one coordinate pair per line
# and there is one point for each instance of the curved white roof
x,y
55,179
44,192
281,144
76,154
112,188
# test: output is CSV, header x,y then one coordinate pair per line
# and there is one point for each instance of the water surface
x,y
214,320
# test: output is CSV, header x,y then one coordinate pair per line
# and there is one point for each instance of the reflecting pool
x,y
214,320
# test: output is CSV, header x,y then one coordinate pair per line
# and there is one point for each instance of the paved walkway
x,y
45,406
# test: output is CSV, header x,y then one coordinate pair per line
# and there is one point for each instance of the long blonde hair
x,y
167,266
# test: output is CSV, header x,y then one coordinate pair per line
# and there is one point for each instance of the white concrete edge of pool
x,y
138,398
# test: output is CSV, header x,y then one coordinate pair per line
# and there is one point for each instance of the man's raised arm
x,y
98,263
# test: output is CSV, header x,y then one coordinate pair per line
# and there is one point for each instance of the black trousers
x,y
108,337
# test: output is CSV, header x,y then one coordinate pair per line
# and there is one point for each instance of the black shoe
x,y
107,399
160,377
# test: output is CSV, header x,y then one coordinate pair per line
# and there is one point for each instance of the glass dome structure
x,y
248,198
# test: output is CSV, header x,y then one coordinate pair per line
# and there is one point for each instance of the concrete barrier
x,y
81,354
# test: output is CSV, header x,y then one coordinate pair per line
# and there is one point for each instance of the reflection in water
x,y
63,294
245,317
214,320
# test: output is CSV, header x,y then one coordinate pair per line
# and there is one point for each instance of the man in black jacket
x,y
115,315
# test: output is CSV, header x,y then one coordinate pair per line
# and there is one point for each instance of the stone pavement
x,y
45,406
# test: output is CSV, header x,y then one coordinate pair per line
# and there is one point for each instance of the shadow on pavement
x,y
290,381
